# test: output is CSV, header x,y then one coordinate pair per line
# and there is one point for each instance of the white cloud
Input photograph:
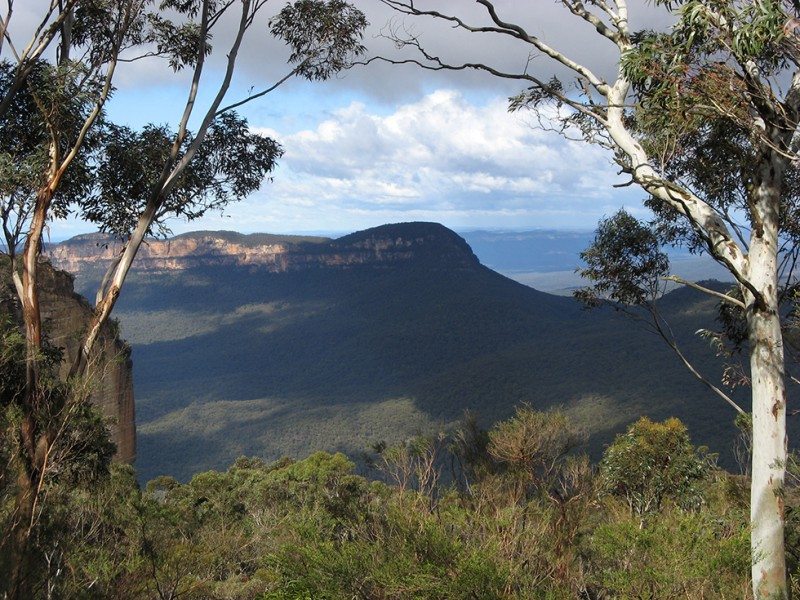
x,y
441,158
399,156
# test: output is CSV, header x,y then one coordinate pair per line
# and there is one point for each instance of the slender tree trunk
x,y
18,583
107,297
31,312
769,394
30,472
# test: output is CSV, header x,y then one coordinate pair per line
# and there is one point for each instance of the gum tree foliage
x,y
323,36
231,163
654,462
625,261
55,18
628,270
60,155
24,150
725,77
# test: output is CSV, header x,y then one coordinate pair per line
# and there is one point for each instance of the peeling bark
x,y
768,390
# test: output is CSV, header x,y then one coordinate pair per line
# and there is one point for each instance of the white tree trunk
x,y
769,403
769,457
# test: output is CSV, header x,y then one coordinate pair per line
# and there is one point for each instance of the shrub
x,y
652,462
532,445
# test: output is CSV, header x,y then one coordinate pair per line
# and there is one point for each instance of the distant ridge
x,y
430,244
249,239
252,239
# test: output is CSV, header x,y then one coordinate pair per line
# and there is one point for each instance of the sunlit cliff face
x,y
66,315
176,254
382,245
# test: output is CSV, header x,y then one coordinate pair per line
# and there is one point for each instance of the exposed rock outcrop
x,y
428,244
66,315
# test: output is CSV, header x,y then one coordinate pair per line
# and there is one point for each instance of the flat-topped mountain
x,y
378,335
428,243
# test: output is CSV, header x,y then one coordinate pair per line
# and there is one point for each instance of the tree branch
x,y
439,65
600,85
579,10
212,110
503,28
264,92
669,337
705,290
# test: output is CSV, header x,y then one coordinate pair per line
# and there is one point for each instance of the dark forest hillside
x,y
240,360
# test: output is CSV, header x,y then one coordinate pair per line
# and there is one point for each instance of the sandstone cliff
x,y
66,315
428,244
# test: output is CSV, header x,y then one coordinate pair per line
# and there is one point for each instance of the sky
x,y
382,143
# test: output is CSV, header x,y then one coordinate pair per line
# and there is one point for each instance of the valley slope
x,y
274,345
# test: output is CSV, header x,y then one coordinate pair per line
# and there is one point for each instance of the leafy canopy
x,y
653,462
624,262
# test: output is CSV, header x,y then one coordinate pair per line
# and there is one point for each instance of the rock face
x,y
66,315
428,244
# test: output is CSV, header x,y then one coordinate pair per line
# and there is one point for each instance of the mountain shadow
x,y
380,335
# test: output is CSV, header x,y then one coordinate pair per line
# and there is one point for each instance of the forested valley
x,y
677,123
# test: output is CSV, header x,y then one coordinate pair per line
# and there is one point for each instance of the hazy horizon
x,y
544,258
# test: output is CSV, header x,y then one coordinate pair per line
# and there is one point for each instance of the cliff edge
x,y
422,244
66,315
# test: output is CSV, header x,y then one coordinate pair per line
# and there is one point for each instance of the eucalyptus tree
x,y
727,72
60,155
629,271
323,37
43,134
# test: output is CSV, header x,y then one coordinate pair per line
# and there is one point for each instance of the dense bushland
x,y
515,512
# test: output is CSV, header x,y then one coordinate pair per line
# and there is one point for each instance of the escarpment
x,y
414,245
429,244
65,316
